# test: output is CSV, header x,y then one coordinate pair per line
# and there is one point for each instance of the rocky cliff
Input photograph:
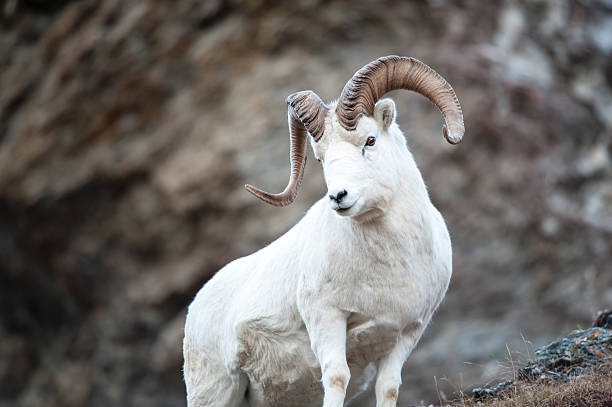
x,y
127,130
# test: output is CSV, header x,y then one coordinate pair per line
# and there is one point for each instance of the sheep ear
x,y
384,113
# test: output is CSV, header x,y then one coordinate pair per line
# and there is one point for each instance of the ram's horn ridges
x,y
306,113
371,82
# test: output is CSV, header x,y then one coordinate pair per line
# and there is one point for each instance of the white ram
x,y
338,302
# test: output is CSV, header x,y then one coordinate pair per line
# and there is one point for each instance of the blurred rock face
x,y
127,130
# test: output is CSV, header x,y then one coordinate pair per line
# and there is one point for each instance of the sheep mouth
x,y
341,210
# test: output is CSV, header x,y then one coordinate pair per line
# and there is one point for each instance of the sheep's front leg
x,y
389,375
327,332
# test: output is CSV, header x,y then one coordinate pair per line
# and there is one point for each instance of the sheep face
x,y
362,167
357,126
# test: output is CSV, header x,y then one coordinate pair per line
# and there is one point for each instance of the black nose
x,y
339,196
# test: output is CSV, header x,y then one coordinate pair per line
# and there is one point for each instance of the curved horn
x,y
378,77
306,113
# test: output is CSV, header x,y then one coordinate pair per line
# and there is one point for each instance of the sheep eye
x,y
371,141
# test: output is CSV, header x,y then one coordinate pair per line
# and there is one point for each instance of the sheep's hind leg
x,y
208,383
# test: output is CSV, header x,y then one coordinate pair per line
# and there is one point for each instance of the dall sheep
x,y
337,303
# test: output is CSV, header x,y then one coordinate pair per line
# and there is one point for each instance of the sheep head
x,y
357,137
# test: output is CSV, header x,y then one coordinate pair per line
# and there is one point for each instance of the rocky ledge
x,y
575,370
580,352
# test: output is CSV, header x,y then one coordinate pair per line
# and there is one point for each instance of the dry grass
x,y
590,390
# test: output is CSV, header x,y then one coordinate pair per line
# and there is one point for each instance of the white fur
x,y
338,302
